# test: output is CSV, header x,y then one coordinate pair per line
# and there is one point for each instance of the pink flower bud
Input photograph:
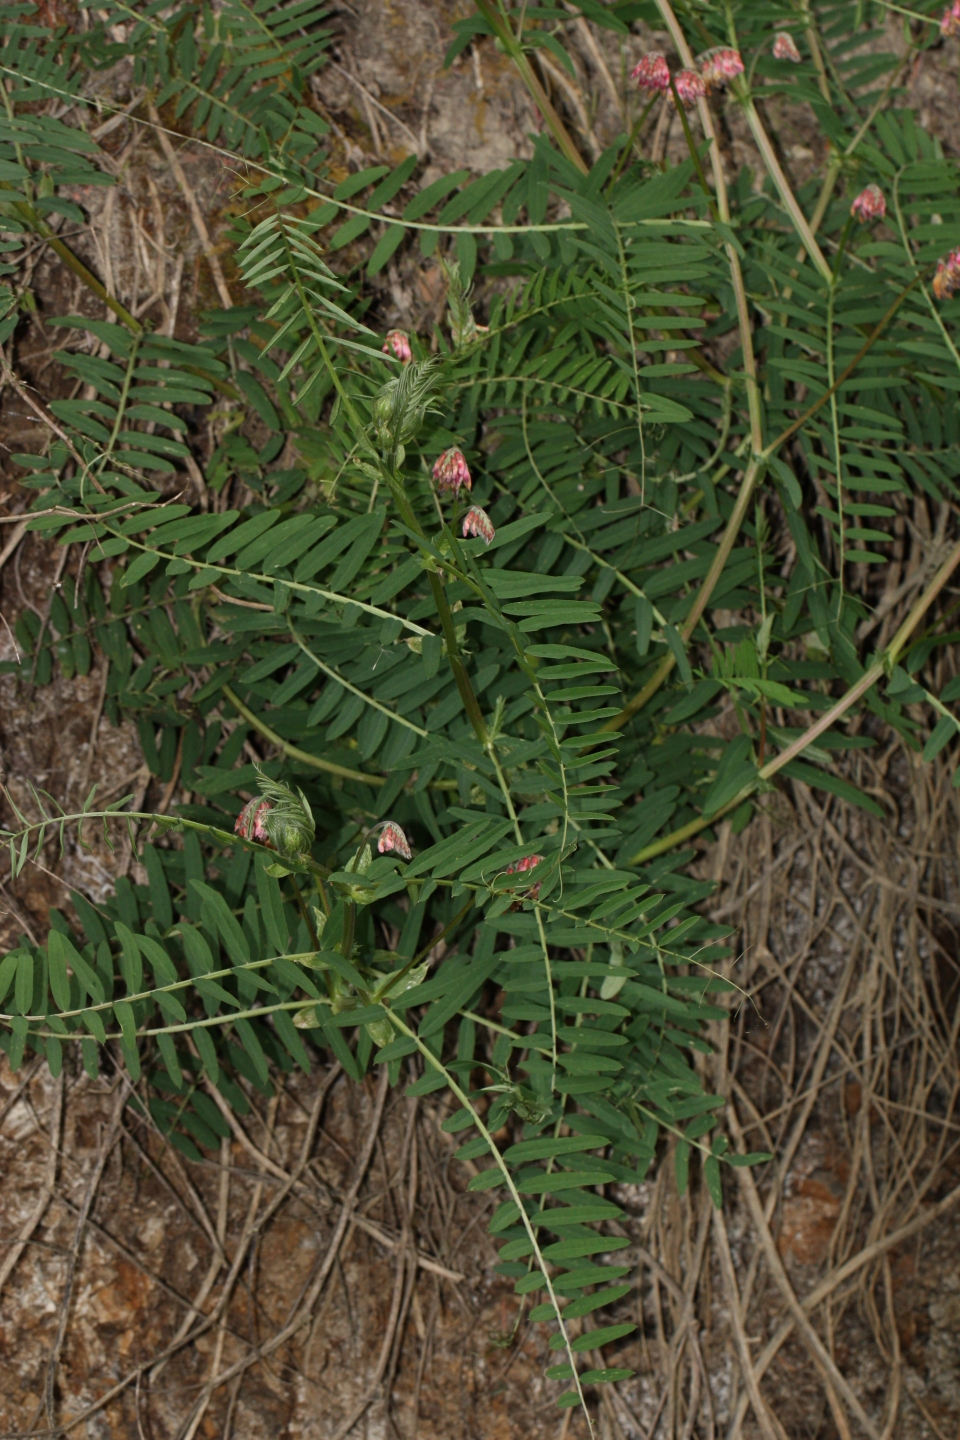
x,y
785,47
690,87
720,65
652,72
477,522
869,205
946,282
393,838
451,471
950,20
251,822
398,345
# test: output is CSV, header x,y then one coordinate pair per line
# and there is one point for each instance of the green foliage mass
x,y
323,597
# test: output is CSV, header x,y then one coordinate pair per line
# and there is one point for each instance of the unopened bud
x,y
785,47
477,522
287,818
291,834
451,471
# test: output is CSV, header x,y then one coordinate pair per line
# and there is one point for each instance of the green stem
x,y
514,50
723,209
866,682
754,470
631,141
293,751
30,217
391,982
436,1064
445,615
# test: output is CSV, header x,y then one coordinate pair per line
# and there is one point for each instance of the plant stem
x,y
470,702
511,1187
784,190
723,209
867,680
753,473
514,49
293,751
30,217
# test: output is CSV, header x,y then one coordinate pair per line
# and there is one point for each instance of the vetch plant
x,y
697,412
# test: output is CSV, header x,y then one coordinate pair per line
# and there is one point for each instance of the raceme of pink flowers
x,y
785,47
393,838
869,205
719,65
946,282
519,867
477,522
950,20
250,823
398,344
529,862
451,471
652,72
690,87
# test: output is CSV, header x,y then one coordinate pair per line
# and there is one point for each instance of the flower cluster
x,y
950,20
946,282
397,344
716,68
451,471
477,522
652,72
278,818
520,867
690,86
869,205
719,65
251,822
785,47
393,838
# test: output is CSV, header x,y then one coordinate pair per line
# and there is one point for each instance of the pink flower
x,y
869,205
529,862
251,821
946,282
393,838
398,345
950,20
719,65
652,72
519,867
785,47
690,87
451,471
477,522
